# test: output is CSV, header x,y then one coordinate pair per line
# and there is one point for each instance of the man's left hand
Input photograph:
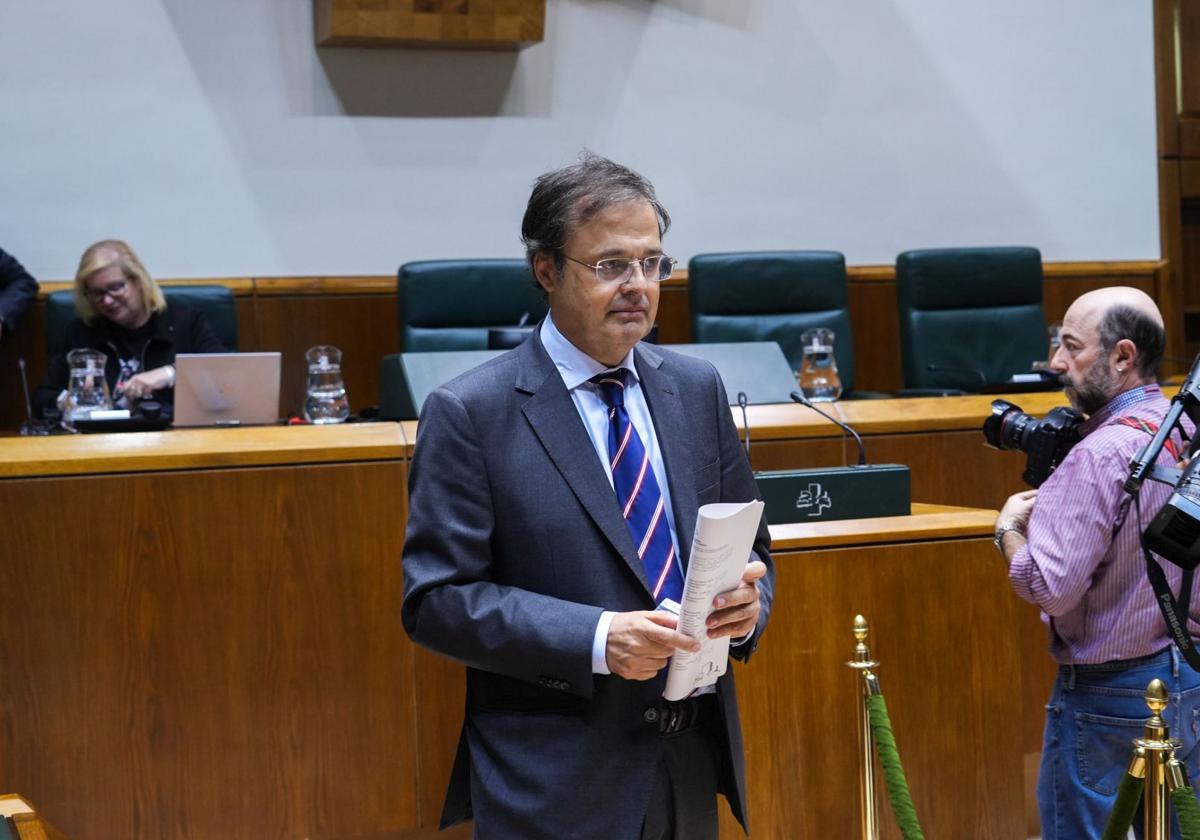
x,y
735,612
1016,511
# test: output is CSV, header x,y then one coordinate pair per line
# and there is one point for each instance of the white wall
x,y
219,141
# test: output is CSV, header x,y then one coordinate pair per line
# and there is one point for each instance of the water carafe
x,y
87,389
818,375
325,401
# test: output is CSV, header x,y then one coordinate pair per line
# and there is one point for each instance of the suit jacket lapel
x,y
666,407
552,414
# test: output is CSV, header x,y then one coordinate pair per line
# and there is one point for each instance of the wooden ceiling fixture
x,y
470,24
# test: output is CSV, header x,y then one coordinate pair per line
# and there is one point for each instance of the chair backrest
x,y
773,296
451,304
216,302
967,310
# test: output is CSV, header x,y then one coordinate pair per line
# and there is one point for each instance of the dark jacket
x,y
177,329
515,544
17,290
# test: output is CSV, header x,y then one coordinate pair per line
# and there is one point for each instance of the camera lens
x,y
1006,427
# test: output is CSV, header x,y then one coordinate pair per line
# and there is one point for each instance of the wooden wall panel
x,y
674,314
209,654
1061,290
1187,107
364,328
952,680
876,322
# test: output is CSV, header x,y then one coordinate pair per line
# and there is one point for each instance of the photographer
x,y
1073,549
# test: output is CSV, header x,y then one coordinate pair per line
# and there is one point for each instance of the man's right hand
x,y
640,643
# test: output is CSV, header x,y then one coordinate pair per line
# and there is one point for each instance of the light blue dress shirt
x,y
576,368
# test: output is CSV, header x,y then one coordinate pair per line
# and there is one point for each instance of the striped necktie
x,y
638,492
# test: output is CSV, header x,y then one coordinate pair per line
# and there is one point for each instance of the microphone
x,y
805,401
745,422
975,372
31,426
25,387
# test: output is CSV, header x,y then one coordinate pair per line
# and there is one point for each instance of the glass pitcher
x,y
818,375
325,400
87,389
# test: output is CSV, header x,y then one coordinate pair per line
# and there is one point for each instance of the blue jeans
x,y
1092,718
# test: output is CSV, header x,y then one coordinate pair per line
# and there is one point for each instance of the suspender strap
x,y
1151,429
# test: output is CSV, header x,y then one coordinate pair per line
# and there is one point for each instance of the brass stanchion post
x,y
1158,747
870,686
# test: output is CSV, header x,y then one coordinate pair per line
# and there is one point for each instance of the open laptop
x,y
226,389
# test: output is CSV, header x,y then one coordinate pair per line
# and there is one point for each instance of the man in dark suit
x,y
539,551
17,291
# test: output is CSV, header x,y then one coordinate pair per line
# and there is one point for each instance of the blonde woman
x,y
122,312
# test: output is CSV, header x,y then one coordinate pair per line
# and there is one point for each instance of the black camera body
x,y
1174,533
1046,442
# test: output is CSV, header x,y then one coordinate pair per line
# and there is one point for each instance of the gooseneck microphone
x,y
25,388
973,372
745,422
805,401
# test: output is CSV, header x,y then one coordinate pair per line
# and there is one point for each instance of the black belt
x,y
675,716
1117,665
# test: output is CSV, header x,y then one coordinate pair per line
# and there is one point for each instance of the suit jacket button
x,y
650,715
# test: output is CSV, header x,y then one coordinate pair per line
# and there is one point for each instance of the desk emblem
x,y
814,500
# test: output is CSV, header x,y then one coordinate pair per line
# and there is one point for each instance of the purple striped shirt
x,y
1083,563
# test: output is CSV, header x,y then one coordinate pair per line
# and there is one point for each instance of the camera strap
x,y
1174,610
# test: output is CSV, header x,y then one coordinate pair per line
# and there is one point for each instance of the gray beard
x,y
1094,391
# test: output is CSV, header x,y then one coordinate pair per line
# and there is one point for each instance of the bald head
x,y
1092,306
1112,341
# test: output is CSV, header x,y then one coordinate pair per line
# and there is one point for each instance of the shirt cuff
x,y
600,643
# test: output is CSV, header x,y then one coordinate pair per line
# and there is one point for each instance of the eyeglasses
x,y
113,290
654,269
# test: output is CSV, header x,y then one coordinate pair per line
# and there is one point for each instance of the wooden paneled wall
x,y
358,314
1177,81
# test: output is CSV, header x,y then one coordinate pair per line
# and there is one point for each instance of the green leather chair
x,y
451,304
216,302
975,313
773,296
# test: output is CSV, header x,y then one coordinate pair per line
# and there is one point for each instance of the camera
x,y
1046,442
1174,533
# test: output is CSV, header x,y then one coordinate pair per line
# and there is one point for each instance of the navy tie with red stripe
x,y
638,492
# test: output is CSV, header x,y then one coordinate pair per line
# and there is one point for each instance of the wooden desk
x,y
942,619
200,635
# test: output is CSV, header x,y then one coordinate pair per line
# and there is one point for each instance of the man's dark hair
x,y
1124,321
566,198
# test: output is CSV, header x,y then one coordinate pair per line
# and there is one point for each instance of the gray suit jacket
x,y
515,544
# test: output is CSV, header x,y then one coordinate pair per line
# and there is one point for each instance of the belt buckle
x,y
677,716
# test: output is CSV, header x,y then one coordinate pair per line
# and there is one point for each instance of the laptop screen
x,y
226,389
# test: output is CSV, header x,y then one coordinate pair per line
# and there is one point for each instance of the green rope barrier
x,y
1188,811
1129,794
893,773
